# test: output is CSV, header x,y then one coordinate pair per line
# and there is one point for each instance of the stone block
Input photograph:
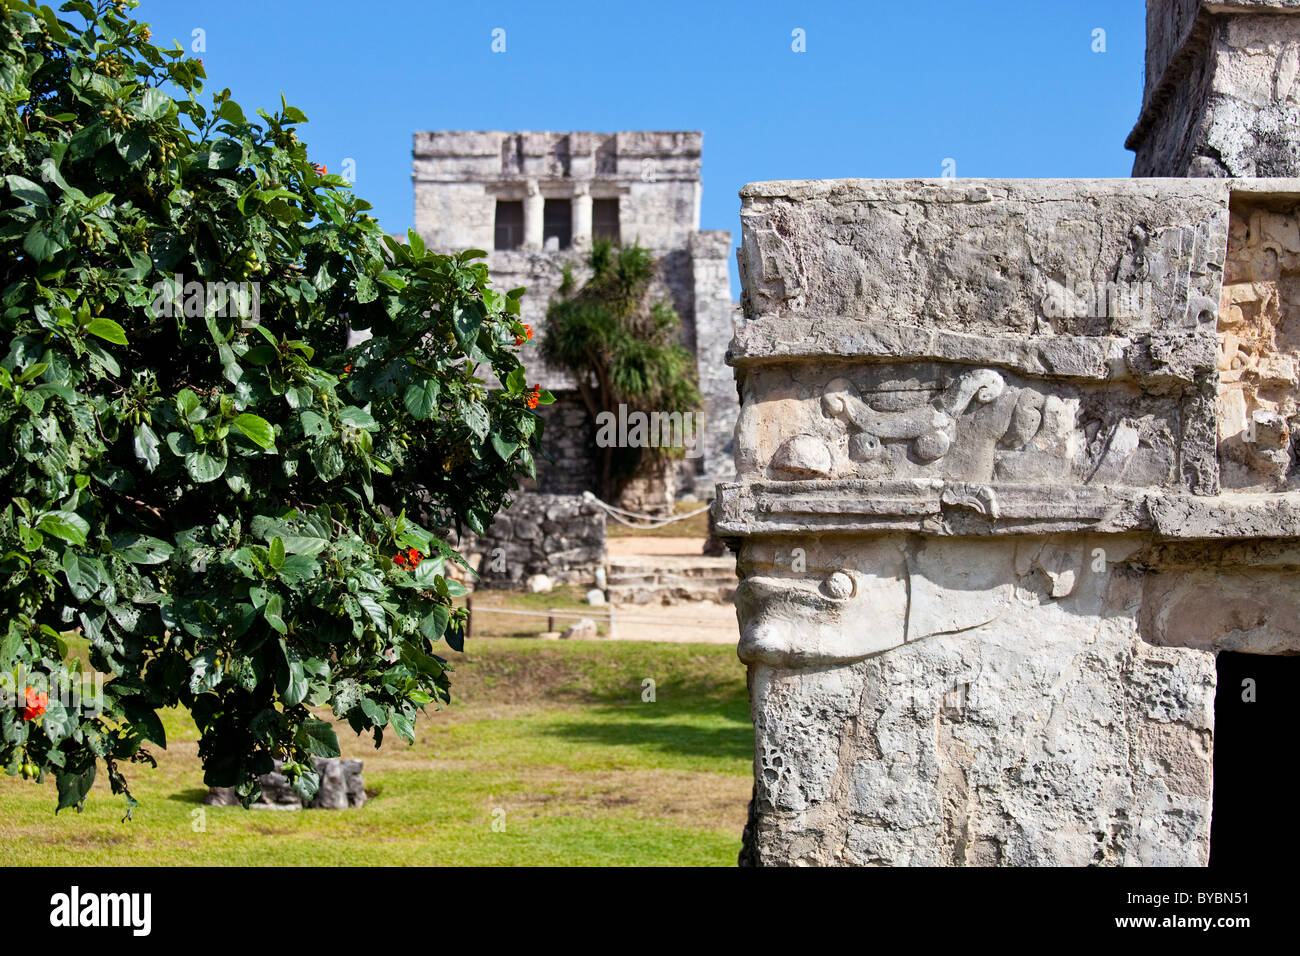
x,y
341,787
582,630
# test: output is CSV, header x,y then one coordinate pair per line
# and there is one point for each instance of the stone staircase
x,y
671,579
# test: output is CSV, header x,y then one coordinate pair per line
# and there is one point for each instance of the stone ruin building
x,y
535,201
1016,479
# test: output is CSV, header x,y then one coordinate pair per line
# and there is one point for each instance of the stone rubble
x,y
341,788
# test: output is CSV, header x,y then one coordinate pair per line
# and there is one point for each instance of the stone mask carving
x,y
842,618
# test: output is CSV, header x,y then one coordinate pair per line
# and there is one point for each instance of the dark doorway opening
x,y
604,220
509,224
557,222
1253,773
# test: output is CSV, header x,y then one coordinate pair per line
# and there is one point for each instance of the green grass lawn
x,y
551,740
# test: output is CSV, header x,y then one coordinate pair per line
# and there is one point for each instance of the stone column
x,y
534,208
711,292
581,216
1222,91
985,561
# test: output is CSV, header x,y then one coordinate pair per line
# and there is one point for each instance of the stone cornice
x,y
938,506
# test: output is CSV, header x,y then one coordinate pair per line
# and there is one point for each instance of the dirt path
x,y
632,547
699,622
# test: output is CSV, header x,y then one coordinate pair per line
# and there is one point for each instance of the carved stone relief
x,y
977,425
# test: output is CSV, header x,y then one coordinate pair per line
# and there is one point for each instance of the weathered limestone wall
x,y
1222,97
1021,719
1259,358
570,438
459,175
985,558
561,536
714,327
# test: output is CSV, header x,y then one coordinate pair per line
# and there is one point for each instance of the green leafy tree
x,y
200,476
623,347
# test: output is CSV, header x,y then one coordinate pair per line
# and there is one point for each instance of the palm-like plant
x,y
623,348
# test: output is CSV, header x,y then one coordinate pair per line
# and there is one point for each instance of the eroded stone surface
x,y
1222,97
1001,258
919,420
1008,727
1259,346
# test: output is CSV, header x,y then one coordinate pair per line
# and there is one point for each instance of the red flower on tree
x,y
36,704
320,170
410,558
526,337
534,396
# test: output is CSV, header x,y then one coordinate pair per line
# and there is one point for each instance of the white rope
x,y
619,618
654,521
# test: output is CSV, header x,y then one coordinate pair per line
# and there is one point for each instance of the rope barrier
x,y
654,521
621,618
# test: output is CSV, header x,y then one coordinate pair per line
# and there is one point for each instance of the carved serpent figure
x,y
931,428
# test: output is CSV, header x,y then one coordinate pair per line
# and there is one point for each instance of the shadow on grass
x,y
192,795
707,694
664,730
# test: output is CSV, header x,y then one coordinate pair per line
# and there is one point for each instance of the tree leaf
x,y
421,398
434,623
134,147
257,429
466,321
375,611
328,460
146,446
146,722
314,425
69,526
205,672
155,104
403,725
73,785
225,154
142,549
274,614
44,241
355,417
374,712
475,416
27,191
204,466
108,330
318,737
294,690
503,448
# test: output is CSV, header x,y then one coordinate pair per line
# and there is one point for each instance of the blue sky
x,y
884,89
